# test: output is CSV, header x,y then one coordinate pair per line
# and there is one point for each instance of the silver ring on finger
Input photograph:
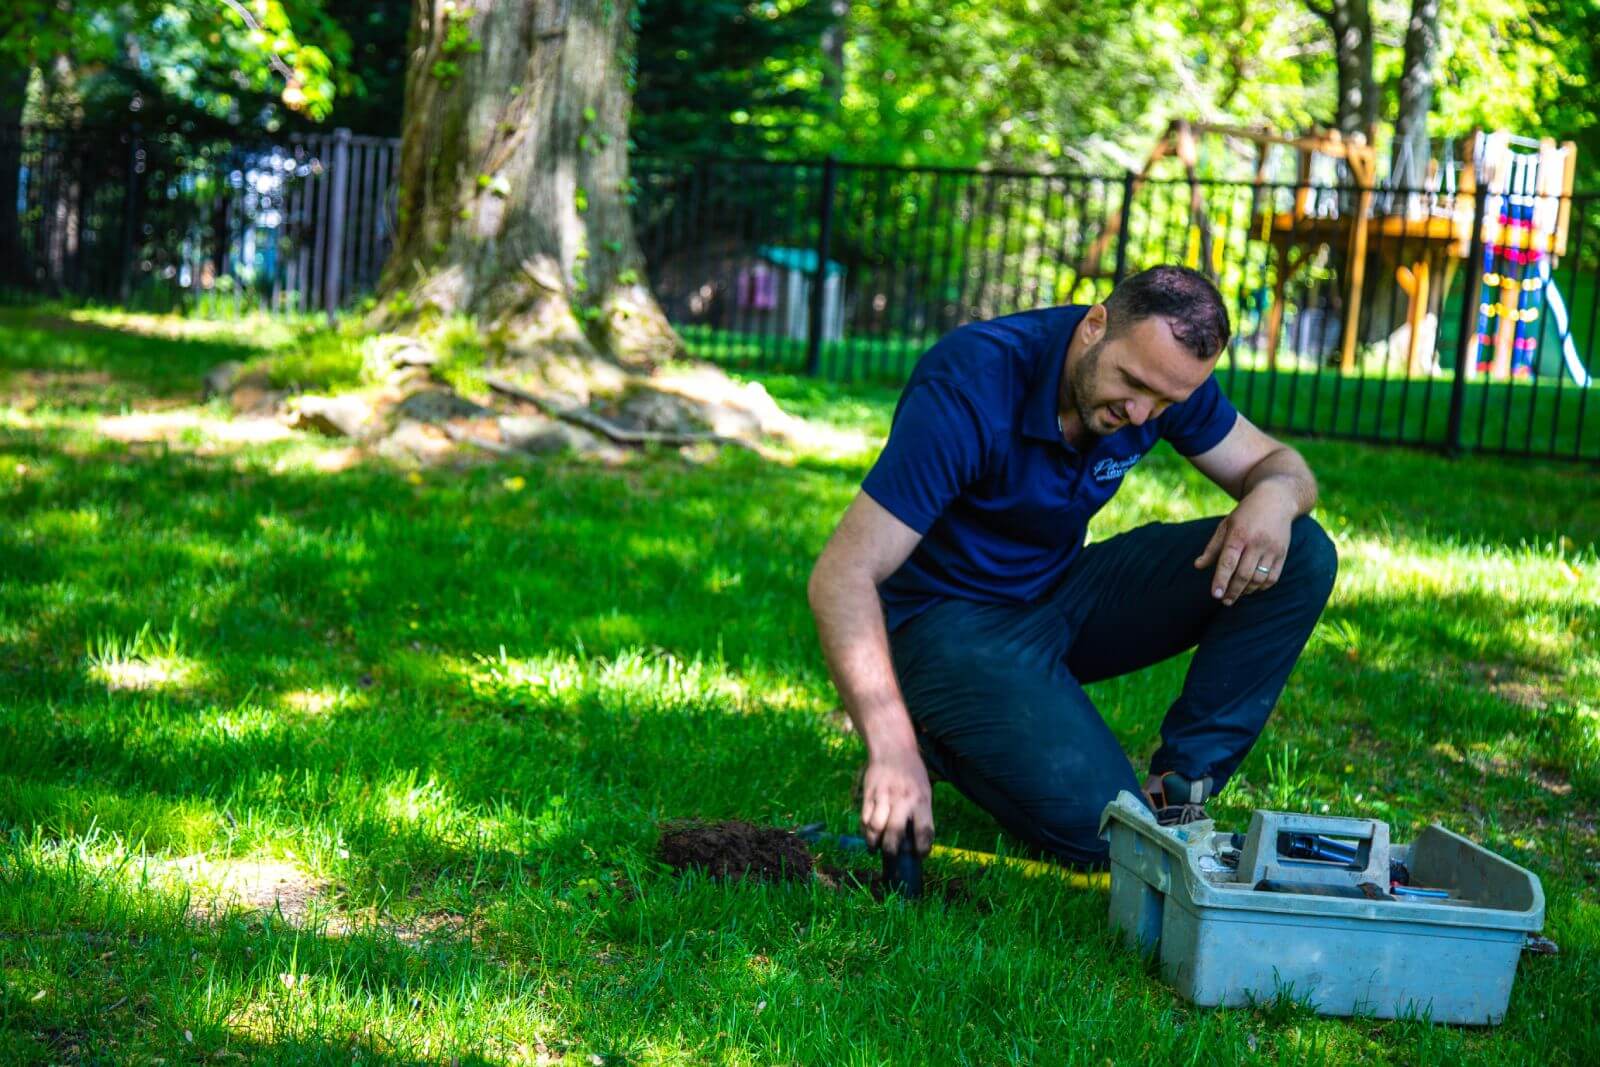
x,y
1263,570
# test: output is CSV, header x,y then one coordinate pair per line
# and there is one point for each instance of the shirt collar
x,y
1039,416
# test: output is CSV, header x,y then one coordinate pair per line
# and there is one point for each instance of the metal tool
x,y
1361,891
1316,847
902,870
1418,892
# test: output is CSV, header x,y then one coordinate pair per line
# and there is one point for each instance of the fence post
x,y
1124,224
1467,337
132,201
338,174
819,283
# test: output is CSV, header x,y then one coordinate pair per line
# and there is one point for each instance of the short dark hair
x,y
1185,298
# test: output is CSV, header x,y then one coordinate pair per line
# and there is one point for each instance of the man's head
x,y
1154,341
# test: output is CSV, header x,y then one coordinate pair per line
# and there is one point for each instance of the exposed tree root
x,y
605,427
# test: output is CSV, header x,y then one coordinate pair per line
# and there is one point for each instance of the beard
x,y
1082,395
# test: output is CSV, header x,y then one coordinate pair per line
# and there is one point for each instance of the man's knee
x,y
1068,827
1313,561
1076,844
1052,798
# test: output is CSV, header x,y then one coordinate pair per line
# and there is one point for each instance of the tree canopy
x,y
1067,84
242,63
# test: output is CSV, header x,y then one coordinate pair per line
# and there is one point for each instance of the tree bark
x,y
833,41
1350,22
515,195
13,90
1387,301
1416,95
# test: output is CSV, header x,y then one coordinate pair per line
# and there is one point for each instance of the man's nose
x,y
1138,411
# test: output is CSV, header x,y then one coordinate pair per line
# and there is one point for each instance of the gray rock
x,y
251,399
413,441
536,433
408,379
440,405
543,436
221,378
651,409
405,352
336,416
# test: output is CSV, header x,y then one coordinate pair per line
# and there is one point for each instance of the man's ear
x,y
1094,324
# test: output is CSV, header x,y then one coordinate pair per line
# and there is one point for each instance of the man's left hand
x,y
1250,543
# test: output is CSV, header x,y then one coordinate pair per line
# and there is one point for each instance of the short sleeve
x,y
1201,422
936,448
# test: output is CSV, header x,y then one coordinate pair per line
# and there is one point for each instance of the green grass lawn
x,y
442,713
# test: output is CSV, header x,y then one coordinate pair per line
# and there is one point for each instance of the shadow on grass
x,y
87,985
51,356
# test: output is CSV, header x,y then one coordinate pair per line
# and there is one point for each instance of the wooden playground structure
x,y
1421,235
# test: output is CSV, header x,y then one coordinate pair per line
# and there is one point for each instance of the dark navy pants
x,y
996,694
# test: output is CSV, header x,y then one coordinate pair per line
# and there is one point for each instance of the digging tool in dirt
x,y
898,869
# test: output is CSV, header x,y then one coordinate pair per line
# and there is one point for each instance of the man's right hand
x,y
869,545
895,791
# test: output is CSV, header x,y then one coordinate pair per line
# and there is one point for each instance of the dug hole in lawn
x,y
736,851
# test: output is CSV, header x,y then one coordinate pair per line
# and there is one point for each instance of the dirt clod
x,y
735,850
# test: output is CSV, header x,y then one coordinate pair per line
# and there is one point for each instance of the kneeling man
x,y
961,614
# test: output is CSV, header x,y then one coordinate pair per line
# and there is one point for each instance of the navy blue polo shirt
x,y
975,462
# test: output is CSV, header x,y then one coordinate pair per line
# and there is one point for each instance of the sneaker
x,y
1176,800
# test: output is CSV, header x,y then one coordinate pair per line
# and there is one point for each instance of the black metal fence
x,y
1454,324
165,222
1406,354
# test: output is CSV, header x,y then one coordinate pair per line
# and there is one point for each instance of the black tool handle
x,y
902,870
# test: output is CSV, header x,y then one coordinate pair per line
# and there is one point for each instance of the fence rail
x,y
161,221
1461,325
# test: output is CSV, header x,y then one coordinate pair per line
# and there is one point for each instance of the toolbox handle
x,y
1284,846
1331,825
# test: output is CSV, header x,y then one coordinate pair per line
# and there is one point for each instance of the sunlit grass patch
x,y
142,661
637,679
313,702
267,331
118,821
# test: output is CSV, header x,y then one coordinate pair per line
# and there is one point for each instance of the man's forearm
x,y
1284,471
856,645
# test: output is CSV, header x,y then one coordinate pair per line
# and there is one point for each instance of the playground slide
x,y
1558,312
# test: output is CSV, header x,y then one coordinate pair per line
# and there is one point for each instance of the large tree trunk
x,y
1416,95
515,193
1356,106
833,42
13,91
1393,275
1350,22
62,105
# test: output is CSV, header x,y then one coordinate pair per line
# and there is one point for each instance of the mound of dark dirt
x,y
735,850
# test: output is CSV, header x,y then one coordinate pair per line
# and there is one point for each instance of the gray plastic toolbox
x,y
1188,893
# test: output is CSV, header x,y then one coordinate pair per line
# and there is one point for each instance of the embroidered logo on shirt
x,y
1111,469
